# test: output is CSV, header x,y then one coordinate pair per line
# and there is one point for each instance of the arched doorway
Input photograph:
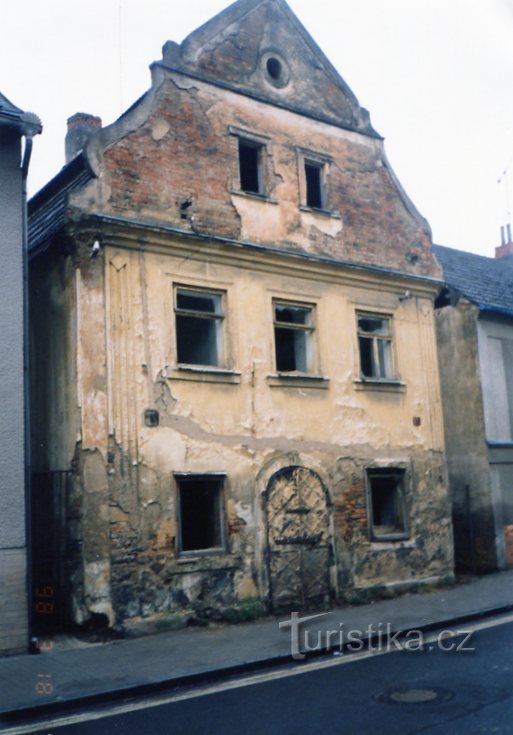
x,y
298,539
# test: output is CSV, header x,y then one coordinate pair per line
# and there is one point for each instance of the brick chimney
x,y
505,249
81,126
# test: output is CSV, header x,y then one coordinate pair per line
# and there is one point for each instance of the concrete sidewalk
x,y
59,677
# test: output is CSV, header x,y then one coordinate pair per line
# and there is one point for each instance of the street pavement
x,y
454,686
89,673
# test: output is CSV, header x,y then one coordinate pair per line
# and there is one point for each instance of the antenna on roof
x,y
504,177
506,246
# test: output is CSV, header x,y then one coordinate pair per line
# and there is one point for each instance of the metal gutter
x,y
495,310
31,127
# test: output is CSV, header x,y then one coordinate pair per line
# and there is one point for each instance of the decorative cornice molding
x,y
132,234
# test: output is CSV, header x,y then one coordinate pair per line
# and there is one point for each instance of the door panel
x,y
298,539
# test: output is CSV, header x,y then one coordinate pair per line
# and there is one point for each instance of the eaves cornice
x,y
163,239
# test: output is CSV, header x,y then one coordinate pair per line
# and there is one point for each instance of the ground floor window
x,y
386,504
200,513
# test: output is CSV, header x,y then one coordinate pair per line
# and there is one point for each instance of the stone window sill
x,y
253,195
202,374
215,551
392,542
297,380
382,386
323,212
208,560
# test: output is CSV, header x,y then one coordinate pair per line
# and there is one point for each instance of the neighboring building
x,y
15,125
475,343
233,318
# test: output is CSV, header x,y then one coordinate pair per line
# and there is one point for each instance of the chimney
x,y
505,249
81,126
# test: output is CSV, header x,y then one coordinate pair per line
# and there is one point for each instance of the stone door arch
x,y
298,539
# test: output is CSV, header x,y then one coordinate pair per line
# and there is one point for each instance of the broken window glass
x,y
375,344
199,319
293,327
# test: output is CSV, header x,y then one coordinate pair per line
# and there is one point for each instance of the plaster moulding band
x,y
134,235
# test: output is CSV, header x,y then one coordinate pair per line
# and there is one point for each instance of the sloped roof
x,y
233,48
14,117
487,282
7,107
46,210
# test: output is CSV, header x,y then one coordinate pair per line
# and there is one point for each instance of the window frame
x,y
321,162
401,477
219,319
307,329
262,144
321,169
387,338
181,479
260,174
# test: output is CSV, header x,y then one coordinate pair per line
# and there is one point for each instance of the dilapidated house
x,y
474,319
237,381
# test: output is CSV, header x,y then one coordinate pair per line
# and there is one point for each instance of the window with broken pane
x,y
199,321
200,513
375,346
293,330
387,506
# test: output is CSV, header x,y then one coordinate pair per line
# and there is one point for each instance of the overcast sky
x,y
436,76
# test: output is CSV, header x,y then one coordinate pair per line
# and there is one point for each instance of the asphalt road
x,y
460,693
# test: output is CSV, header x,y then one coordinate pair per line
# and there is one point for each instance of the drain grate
x,y
415,695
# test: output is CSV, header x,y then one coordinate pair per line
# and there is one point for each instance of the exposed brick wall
x,y
350,512
151,178
184,153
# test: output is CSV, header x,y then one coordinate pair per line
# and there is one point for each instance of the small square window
x,y
251,166
201,513
199,320
375,345
314,179
293,329
387,507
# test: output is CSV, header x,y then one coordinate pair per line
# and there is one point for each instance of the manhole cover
x,y
415,695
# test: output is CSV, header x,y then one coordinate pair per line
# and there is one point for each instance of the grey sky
x,y
436,76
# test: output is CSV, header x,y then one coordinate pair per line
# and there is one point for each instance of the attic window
x,y
250,167
314,185
274,68
314,174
